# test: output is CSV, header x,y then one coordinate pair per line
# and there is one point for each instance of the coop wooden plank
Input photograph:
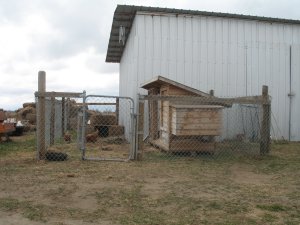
x,y
197,126
188,120
195,115
207,110
191,145
208,107
196,132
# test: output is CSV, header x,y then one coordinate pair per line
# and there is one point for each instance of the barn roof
x,y
158,81
124,16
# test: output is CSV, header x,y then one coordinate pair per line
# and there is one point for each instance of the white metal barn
x,y
232,54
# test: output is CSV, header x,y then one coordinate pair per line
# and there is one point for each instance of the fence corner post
x,y
41,142
266,122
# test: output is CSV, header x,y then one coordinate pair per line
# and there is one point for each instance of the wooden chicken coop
x,y
181,126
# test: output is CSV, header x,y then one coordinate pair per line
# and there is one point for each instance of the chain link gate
x,y
108,128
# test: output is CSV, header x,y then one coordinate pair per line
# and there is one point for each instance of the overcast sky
x,y
68,39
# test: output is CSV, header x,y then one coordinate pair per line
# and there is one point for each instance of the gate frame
x,y
133,116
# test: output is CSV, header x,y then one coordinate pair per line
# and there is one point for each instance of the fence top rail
x,y
95,103
227,102
59,94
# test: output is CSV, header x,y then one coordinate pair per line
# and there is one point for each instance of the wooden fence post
x,y
212,138
41,142
266,122
140,131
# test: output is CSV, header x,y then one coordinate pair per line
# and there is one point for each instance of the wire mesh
x,y
61,121
177,128
108,130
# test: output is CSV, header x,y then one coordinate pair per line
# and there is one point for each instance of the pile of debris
x,y
25,116
6,127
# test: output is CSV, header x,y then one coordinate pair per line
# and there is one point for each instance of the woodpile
x,y
115,130
106,124
28,112
103,119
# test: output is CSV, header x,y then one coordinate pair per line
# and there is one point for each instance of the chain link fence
x,y
58,140
188,126
84,127
98,127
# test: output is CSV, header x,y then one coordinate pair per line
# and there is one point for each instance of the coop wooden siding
x,y
196,121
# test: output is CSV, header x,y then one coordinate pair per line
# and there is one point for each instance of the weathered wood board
x,y
196,120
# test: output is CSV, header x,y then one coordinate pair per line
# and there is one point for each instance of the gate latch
x,y
291,94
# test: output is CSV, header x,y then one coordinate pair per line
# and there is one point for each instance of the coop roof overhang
x,y
125,14
196,97
159,81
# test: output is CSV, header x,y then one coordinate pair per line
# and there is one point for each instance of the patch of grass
x,y
28,210
9,204
34,212
269,218
25,145
129,206
273,207
37,212
215,205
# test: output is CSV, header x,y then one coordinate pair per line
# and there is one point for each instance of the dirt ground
x,y
182,191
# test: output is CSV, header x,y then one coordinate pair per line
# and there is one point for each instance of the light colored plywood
x,y
176,91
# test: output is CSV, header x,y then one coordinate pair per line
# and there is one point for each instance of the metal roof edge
x,y
126,14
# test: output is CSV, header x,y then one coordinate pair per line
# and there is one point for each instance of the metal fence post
x,y
83,126
52,121
117,109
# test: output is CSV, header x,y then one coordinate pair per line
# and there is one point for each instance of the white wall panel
x,y
233,57
295,109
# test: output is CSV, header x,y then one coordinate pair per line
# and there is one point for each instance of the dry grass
x,y
194,191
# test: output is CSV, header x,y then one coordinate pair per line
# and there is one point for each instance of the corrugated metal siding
x,y
295,110
233,57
